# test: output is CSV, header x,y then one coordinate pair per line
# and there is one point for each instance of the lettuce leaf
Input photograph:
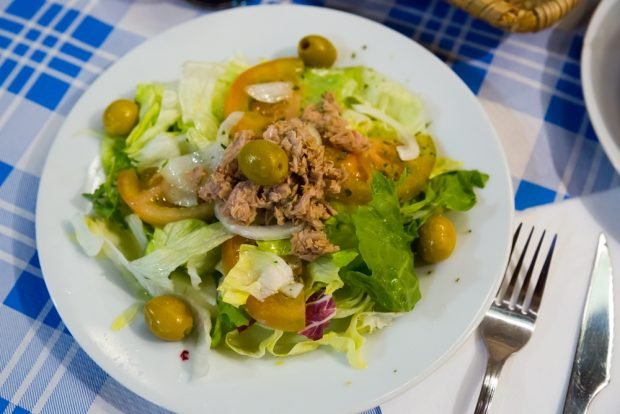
x,y
373,104
257,273
320,308
202,91
323,272
449,191
392,284
172,247
350,300
257,341
159,111
202,300
97,237
228,318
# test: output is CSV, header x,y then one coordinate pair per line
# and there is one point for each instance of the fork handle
x,y
489,385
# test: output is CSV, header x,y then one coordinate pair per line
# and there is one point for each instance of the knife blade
x,y
592,363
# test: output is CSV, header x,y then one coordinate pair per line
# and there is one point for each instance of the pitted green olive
x,y
168,317
263,162
437,239
120,117
316,51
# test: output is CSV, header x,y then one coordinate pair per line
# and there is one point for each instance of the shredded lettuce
x,y
96,236
137,229
374,105
202,265
257,273
350,301
202,91
228,318
202,301
159,111
323,272
257,341
174,246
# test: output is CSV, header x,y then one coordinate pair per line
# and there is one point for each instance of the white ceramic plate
x,y
600,62
90,294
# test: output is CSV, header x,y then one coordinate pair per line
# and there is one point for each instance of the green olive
x,y
168,317
437,239
120,117
263,162
316,51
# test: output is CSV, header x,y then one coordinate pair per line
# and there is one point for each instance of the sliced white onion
x,y
223,132
410,148
180,190
270,92
254,232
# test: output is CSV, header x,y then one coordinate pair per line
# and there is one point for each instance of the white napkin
x,y
534,380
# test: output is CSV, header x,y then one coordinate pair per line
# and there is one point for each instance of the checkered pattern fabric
x,y
50,51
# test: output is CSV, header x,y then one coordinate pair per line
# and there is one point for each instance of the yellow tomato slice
x,y
145,205
279,311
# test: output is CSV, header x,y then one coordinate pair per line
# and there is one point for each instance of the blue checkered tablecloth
x,y
51,51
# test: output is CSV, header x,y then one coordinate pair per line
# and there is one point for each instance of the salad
x,y
272,209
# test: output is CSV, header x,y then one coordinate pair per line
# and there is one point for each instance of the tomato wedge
x,y
383,156
257,114
279,311
144,202
230,251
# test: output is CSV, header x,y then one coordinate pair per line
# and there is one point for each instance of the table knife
x,y
592,363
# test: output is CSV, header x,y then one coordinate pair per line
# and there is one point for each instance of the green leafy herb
x,y
228,318
106,200
449,191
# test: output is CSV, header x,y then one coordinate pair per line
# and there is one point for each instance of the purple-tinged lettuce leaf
x,y
320,308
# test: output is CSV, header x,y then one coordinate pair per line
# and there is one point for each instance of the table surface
x,y
51,51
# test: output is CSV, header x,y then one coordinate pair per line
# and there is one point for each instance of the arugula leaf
x,y
106,200
449,191
387,274
228,318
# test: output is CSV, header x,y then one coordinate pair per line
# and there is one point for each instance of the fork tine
x,y
515,237
524,292
512,279
542,279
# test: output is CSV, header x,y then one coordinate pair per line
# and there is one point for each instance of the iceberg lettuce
x,y
202,91
257,273
257,341
173,246
373,104
159,111
323,272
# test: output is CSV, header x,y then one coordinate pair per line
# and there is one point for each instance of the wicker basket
x,y
518,15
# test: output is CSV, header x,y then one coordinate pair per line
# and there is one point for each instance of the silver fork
x,y
509,323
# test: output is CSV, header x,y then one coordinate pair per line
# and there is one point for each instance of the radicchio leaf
x,y
320,308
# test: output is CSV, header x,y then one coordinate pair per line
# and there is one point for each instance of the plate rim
x,y
363,405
